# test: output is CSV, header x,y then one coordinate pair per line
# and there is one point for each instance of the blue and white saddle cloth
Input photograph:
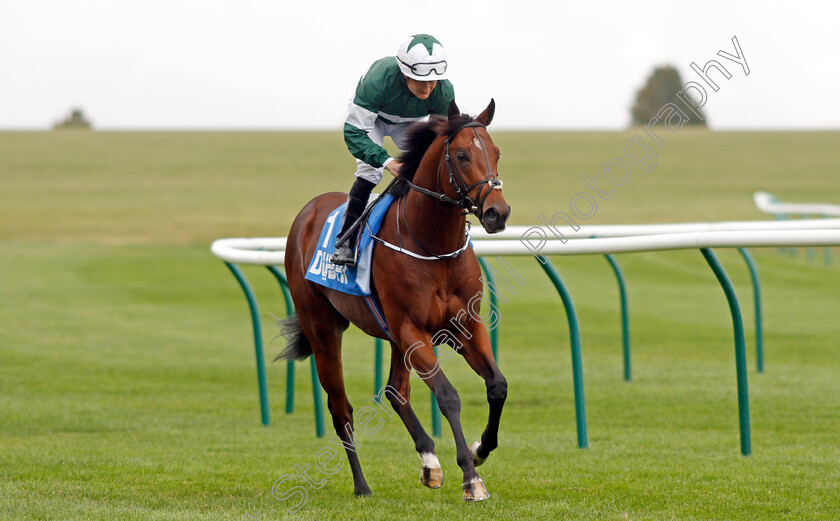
x,y
355,280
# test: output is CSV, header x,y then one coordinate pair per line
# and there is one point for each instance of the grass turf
x,y
127,386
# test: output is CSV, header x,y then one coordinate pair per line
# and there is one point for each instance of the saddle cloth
x,y
355,280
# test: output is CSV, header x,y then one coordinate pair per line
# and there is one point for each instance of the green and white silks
x,y
383,106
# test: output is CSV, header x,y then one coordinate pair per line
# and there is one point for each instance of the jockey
x,y
394,93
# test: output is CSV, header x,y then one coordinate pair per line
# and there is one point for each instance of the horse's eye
x,y
461,156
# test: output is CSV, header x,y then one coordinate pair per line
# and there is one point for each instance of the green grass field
x,y
127,385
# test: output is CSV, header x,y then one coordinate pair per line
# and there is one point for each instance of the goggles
x,y
426,69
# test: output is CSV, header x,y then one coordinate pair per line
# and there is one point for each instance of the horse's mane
x,y
418,140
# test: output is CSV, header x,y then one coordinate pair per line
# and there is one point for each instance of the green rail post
x,y
436,432
290,364
740,350
574,334
494,333
809,250
625,315
377,370
827,252
258,343
316,398
759,332
290,380
784,217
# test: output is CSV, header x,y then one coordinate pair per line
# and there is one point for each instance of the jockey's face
x,y
421,89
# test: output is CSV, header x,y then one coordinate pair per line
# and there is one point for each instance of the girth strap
x,y
370,300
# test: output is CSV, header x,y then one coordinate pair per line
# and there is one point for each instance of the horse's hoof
x,y
431,474
361,492
475,491
476,459
432,478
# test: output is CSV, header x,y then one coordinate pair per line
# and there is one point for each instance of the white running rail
x,y
624,230
767,202
271,251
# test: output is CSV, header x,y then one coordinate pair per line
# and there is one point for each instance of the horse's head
x,y
471,159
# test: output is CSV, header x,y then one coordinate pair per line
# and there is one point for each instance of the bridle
x,y
489,183
476,207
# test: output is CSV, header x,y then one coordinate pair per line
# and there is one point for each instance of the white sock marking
x,y
430,461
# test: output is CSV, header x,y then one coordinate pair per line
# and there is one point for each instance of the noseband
x,y
489,183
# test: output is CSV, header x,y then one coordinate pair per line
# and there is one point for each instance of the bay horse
x,y
424,287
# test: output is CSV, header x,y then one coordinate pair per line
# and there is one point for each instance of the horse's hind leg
x,y
398,393
324,329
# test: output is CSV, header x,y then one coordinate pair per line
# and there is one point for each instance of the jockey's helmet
x,y
422,58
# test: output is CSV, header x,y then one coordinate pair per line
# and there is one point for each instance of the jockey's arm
x,y
360,144
361,116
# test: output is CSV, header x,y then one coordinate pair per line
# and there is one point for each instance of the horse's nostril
x,y
493,221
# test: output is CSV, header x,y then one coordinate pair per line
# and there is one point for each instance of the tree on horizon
x,y
660,89
75,120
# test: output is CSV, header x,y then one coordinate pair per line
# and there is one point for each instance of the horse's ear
x,y
453,110
487,116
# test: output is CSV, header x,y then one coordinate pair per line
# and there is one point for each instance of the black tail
x,y
298,346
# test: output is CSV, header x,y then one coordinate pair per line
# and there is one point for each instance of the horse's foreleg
x,y
479,356
420,356
398,393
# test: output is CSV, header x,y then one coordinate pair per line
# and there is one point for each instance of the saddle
x,y
352,280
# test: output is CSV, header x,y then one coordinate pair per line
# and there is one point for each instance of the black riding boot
x,y
356,203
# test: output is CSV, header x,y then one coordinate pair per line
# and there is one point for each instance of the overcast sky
x,y
216,64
